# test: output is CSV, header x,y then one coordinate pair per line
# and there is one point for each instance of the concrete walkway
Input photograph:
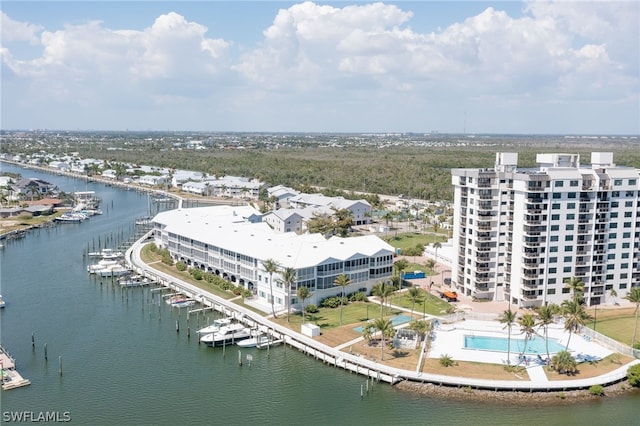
x,y
537,374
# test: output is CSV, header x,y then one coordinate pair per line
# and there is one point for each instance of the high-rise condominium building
x,y
520,234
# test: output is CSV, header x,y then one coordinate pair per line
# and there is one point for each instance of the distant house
x,y
360,209
34,187
282,194
285,220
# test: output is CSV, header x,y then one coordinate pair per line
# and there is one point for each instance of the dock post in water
x,y
60,365
45,352
33,340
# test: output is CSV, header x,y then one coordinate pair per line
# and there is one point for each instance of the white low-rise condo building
x,y
233,242
520,233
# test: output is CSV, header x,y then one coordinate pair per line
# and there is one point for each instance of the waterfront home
x,y
360,209
233,243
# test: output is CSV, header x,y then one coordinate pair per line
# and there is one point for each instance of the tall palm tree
x,y
527,326
343,281
545,318
288,279
271,266
415,295
383,326
633,296
436,246
575,317
303,293
400,266
382,290
576,285
508,318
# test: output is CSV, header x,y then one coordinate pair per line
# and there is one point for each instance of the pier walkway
x,y
11,378
352,362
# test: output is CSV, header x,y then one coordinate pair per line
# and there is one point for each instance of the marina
x,y
136,356
11,378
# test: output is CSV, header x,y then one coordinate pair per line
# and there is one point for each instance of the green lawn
x,y
619,328
411,239
433,305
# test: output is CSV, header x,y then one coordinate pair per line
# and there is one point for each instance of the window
x,y
568,259
571,216
632,182
572,195
625,255
628,203
624,276
554,238
551,291
568,238
553,270
613,225
626,214
553,249
626,235
611,256
571,205
569,227
566,290
617,182
613,235
555,227
559,184
553,259
566,269
551,281
557,195
555,217
627,224
623,286
573,183
555,206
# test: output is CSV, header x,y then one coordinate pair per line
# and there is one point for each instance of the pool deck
x,y
449,340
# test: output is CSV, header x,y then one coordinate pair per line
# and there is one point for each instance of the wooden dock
x,y
11,378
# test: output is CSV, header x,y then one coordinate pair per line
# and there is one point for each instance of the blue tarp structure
x,y
413,275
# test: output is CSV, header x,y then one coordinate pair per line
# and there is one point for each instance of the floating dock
x,y
11,379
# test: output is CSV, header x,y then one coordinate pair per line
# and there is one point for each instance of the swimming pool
x,y
535,346
395,321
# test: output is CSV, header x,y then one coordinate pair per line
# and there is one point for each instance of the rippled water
x,y
124,363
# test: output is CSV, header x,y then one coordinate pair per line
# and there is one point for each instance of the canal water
x,y
123,362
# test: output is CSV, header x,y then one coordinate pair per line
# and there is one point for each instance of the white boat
x,y
215,326
260,341
107,253
71,217
134,281
180,301
1,302
227,335
102,264
116,270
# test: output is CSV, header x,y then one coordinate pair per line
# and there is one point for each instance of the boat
x,y
71,217
228,334
180,301
260,341
106,253
101,265
215,326
1,302
134,281
114,271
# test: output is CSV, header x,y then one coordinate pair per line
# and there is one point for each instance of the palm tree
x,y
400,266
383,326
575,317
564,363
382,290
421,327
343,281
303,293
576,285
508,318
545,318
415,295
633,296
436,246
527,326
288,279
271,266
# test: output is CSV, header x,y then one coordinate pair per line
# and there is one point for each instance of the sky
x,y
526,67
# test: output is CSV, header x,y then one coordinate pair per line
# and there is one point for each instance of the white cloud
x,y
358,65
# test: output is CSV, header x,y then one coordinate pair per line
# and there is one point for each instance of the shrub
x,y
311,309
596,390
334,302
633,375
359,296
181,266
446,360
196,273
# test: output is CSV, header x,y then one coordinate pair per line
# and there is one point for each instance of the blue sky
x,y
415,66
